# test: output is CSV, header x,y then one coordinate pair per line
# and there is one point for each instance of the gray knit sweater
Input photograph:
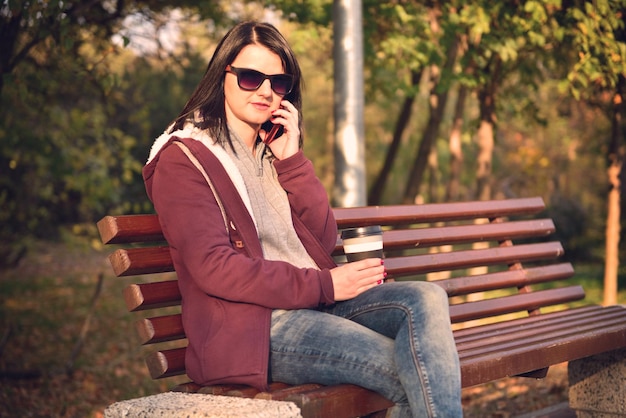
x,y
269,204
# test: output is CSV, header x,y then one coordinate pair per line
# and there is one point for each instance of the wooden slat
x,y
166,363
137,261
220,389
458,234
514,303
476,332
401,239
506,279
525,331
548,332
142,296
552,349
339,400
130,228
436,212
145,228
428,263
160,329
281,395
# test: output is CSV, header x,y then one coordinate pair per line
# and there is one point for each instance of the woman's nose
x,y
266,88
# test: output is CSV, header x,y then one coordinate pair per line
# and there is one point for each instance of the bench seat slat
x,y
523,358
523,333
340,400
467,334
282,394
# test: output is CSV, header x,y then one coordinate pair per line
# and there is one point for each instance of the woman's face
x,y
247,110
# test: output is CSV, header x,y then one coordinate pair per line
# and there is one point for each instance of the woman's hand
x,y
352,279
288,143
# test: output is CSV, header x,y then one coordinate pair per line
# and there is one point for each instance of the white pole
x,y
349,150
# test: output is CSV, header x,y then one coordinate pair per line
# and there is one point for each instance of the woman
x,y
251,233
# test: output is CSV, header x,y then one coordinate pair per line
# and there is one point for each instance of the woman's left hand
x,y
288,143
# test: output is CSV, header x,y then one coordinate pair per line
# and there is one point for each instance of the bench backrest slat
x,y
436,212
514,303
465,285
406,239
137,261
142,296
130,229
419,264
145,228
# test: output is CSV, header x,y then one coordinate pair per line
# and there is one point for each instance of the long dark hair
x,y
208,98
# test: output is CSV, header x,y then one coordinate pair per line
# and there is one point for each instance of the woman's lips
x,y
261,106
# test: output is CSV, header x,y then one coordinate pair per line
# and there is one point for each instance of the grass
x,y
47,370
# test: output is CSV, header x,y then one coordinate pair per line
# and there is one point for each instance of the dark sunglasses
x,y
251,80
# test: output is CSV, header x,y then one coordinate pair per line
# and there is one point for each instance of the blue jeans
x,y
394,339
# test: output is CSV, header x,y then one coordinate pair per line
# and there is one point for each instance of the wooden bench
x,y
466,248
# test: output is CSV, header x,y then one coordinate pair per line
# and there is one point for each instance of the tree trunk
x,y
613,226
486,133
437,105
456,149
376,191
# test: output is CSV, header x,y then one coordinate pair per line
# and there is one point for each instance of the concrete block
x,y
195,405
598,385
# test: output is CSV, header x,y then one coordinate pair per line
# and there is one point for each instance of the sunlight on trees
x,y
85,90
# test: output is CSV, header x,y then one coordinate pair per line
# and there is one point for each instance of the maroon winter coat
x,y
228,290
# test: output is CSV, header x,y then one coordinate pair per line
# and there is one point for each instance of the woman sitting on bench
x,y
251,233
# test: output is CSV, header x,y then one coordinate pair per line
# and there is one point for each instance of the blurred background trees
x,y
464,100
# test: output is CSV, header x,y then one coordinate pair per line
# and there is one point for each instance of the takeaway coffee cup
x,y
363,242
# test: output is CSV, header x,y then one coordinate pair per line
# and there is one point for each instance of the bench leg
x,y
598,385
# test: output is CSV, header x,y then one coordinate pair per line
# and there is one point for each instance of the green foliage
x,y
78,115
596,29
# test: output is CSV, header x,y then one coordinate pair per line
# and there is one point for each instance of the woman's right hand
x,y
352,279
